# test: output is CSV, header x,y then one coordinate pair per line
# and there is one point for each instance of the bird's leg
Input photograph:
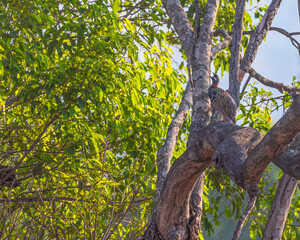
x,y
224,117
213,112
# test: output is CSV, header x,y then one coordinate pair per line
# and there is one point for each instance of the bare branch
x,y
299,8
245,85
243,218
279,86
280,208
234,78
294,42
221,45
259,34
180,22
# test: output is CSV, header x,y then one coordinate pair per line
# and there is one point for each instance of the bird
x,y
221,100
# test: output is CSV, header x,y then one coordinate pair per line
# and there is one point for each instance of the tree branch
x,y
54,118
243,218
245,85
185,171
274,143
37,199
289,161
259,34
165,152
279,86
221,45
234,78
192,45
195,202
245,154
195,206
180,22
294,42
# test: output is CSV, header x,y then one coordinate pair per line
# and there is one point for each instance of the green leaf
x,y
1,69
228,213
116,5
71,150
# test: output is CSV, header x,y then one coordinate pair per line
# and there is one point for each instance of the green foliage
x,y
256,112
111,81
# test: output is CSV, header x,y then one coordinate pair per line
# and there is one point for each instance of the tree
x,y
243,152
88,95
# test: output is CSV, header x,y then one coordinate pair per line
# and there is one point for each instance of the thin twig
x,y
54,118
37,199
246,83
294,42
243,218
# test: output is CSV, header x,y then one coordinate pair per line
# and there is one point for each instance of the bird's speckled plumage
x,y
221,100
